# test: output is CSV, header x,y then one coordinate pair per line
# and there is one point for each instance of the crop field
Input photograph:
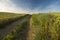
x,y
46,26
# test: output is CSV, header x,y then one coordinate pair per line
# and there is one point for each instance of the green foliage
x,y
46,27
9,36
17,31
6,18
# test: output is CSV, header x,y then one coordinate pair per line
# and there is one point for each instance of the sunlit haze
x,y
29,6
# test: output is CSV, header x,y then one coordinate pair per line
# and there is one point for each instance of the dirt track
x,y
13,25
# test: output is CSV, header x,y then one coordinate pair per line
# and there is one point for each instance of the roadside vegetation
x,y
46,26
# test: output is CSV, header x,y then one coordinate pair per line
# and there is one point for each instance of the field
x,y
6,18
43,26
46,26
14,26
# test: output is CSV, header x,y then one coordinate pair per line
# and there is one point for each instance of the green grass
x,y
46,26
18,31
6,18
19,27
14,34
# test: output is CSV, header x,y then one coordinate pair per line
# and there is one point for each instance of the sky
x,y
29,6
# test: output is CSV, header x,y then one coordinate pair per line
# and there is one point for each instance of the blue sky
x,y
30,5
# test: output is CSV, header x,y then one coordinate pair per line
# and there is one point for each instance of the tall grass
x,y
46,27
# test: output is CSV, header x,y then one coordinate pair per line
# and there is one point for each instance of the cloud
x,y
9,6
54,7
38,10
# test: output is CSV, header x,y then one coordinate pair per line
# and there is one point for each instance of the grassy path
x,y
13,26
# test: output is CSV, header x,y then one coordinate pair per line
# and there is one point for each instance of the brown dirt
x,y
30,37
